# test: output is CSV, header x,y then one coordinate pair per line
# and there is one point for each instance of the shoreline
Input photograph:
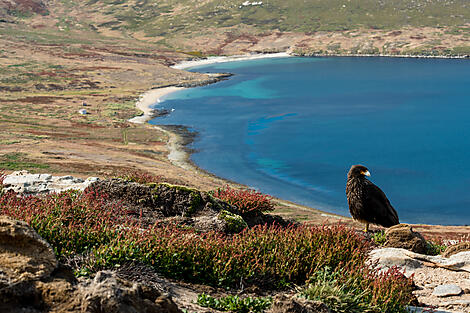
x,y
223,59
148,99
179,136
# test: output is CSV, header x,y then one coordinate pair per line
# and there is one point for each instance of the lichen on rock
x,y
235,223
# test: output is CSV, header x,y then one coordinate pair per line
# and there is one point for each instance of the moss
x,y
195,197
196,202
235,223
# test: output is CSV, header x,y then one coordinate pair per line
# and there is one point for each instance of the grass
x,y
235,303
357,290
18,161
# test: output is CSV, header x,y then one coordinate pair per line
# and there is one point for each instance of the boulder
x,y
24,255
454,249
291,304
403,236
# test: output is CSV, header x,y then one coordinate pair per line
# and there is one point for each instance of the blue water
x,y
292,127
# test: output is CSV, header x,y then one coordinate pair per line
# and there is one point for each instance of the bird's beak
x,y
367,173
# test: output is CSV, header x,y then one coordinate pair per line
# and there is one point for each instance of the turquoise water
x,y
292,127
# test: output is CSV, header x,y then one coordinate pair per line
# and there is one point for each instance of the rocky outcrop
x,y
403,236
35,184
454,249
31,280
292,304
440,281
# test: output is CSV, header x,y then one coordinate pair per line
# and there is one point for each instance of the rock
x,y
107,293
454,249
234,223
403,236
34,184
291,304
386,258
24,255
447,290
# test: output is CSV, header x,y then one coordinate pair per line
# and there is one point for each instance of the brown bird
x,y
367,202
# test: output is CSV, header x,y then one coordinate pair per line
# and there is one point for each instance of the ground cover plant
x,y
246,200
85,223
235,303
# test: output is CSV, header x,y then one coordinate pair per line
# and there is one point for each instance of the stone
x,y
386,258
108,293
403,236
447,290
35,184
454,249
291,304
234,222
24,255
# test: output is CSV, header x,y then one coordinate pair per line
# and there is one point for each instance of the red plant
x,y
138,176
246,201
71,221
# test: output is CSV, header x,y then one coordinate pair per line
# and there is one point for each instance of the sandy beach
x,y
148,99
223,59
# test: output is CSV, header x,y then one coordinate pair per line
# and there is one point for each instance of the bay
x,y
292,127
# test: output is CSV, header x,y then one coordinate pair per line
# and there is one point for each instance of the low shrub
x,y
247,201
85,223
235,303
138,176
379,238
71,221
357,289
435,247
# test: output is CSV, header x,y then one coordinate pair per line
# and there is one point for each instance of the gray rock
x,y
409,261
388,257
447,290
34,184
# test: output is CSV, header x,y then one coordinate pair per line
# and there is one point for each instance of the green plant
x,y
434,248
379,238
358,288
235,303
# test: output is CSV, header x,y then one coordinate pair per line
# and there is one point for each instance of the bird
x,y
367,202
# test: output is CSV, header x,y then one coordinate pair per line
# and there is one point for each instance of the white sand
x,y
147,100
211,60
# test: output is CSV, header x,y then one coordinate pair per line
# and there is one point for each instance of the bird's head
x,y
358,171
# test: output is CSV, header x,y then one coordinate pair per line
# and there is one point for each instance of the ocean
x,y
292,127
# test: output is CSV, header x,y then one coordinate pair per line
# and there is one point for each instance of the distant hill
x,y
166,17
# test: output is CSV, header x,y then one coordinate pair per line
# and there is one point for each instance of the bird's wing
x,y
383,212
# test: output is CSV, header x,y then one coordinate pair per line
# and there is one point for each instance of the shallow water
x,y
292,127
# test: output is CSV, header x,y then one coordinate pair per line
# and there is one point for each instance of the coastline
x,y
179,136
222,59
148,99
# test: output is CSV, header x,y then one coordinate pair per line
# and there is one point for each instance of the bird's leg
x,y
367,228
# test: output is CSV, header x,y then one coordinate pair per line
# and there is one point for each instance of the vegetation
x,y
379,238
435,247
234,303
18,161
137,176
330,259
247,201
356,290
